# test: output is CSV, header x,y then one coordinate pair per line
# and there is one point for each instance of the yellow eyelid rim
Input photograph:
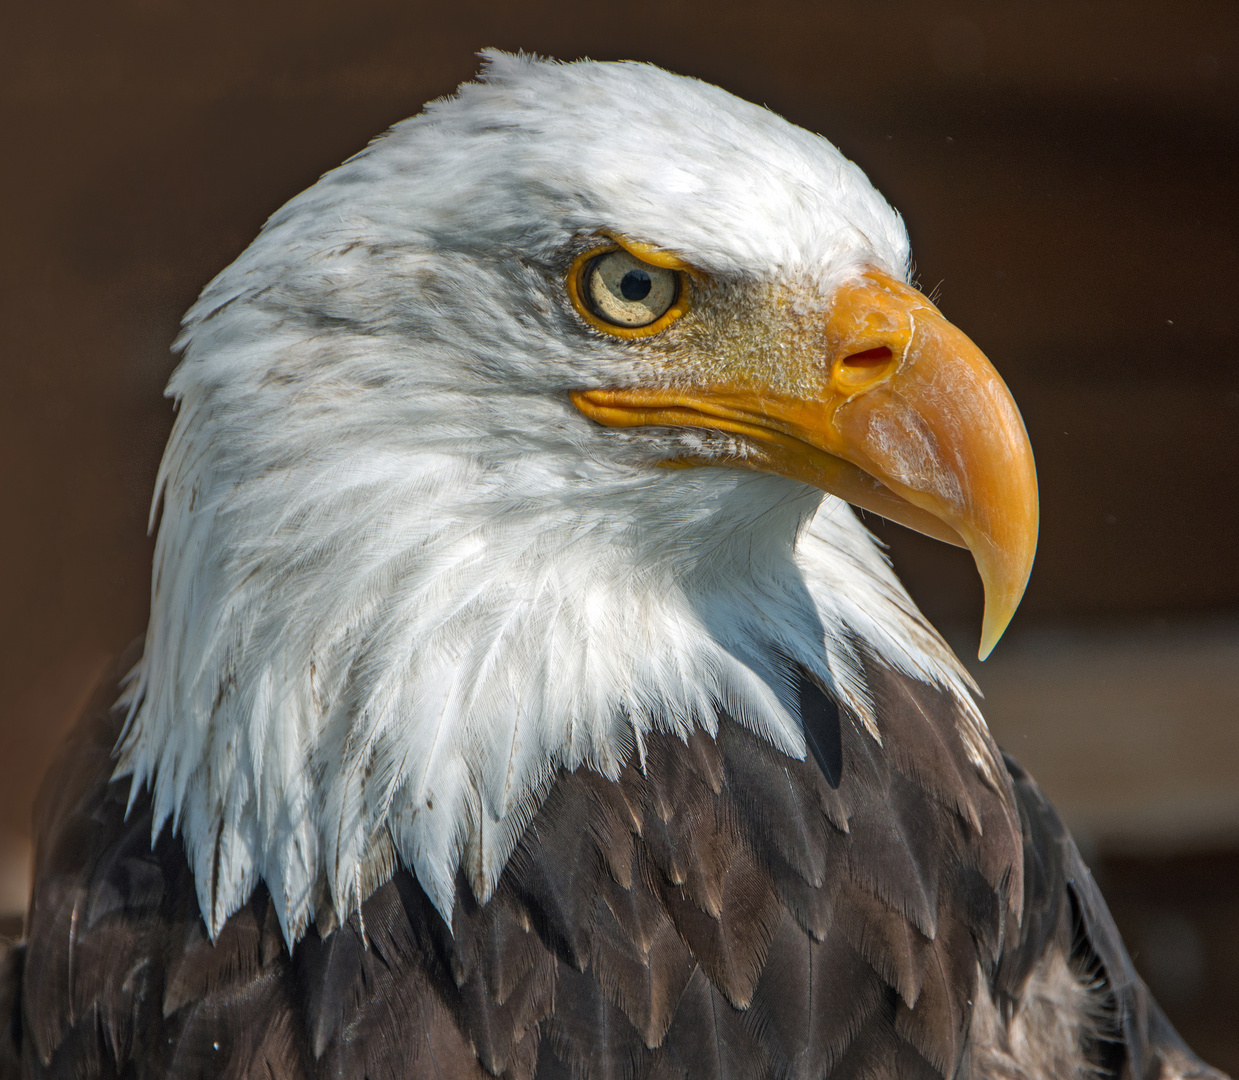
x,y
646,253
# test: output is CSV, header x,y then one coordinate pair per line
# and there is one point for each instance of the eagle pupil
x,y
635,285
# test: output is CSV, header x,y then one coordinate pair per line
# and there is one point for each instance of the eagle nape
x,y
521,697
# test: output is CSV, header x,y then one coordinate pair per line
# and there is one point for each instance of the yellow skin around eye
x,y
578,287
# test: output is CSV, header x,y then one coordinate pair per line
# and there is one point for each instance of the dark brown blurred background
x,y
1069,172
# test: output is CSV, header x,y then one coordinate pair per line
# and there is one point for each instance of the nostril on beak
x,y
869,359
861,370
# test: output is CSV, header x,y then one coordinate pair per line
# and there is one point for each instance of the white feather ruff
x,y
399,580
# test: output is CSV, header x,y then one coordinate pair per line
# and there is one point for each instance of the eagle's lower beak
x,y
910,421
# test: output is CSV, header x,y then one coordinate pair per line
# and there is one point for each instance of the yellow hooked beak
x,y
909,421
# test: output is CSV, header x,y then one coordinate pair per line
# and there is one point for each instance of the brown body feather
x,y
721,911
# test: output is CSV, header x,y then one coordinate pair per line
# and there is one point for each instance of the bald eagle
x,y
521,697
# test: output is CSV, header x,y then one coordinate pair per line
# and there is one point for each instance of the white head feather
x,y
400,581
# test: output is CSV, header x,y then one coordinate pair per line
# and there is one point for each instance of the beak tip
x,y
1005,576
999,611
990,636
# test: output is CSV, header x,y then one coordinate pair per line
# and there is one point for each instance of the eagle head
x,y
529,430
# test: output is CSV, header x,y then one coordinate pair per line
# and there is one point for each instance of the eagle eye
x,y
623,290
626,295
